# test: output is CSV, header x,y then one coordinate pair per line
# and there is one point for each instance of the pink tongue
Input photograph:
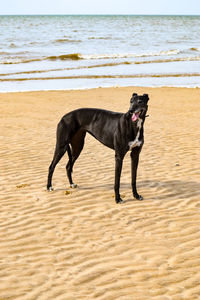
x,y
135,117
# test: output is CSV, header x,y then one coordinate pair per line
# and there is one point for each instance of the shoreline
x,y
103,87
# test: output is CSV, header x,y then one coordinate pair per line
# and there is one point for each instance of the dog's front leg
x,y
118,169
134,165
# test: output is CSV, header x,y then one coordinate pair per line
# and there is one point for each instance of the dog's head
x,y
138,106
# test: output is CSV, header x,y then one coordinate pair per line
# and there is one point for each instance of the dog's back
x,y
99,123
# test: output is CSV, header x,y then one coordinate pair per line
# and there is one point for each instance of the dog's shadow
x,y
169,189
173,189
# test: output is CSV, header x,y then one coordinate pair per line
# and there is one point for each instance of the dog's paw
x,y
138,197
50,189
119,201
73,186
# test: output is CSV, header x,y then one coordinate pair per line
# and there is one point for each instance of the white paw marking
x,y
73,186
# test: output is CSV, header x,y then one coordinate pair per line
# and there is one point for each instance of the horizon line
x,y
107,14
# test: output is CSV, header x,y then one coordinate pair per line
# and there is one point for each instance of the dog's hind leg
x,y
77,144
59,152
61,147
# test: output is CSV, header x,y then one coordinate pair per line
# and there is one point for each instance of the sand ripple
x,y
80,244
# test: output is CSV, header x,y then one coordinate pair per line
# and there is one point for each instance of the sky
x,y
155,7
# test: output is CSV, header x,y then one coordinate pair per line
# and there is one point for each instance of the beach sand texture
x,y
78,244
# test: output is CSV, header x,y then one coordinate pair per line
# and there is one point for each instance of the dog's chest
x,y
136,142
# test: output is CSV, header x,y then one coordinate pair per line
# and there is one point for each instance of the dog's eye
x,y
134,99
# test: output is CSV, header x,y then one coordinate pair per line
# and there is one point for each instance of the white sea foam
x,y
130,55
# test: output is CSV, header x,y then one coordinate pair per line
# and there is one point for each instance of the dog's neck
x,y
137,139
137,125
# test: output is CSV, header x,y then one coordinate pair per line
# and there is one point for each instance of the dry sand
x,y
80,244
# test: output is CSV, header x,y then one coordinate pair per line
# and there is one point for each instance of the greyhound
x,y
119,131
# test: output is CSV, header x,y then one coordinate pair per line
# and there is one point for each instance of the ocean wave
x,y
130,55
67,69
100,38
196,58
62,57
16,59
195,49
104,76
12,45
65,40
13,54
25,60
73,56
4,53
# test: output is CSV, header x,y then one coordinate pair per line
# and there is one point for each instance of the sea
x,y
64,52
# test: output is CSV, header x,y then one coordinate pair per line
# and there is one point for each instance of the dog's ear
x,y
146,97
134,96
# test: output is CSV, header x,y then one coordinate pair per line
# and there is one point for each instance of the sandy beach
x,y
77,243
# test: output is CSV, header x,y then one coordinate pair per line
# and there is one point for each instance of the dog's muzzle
x,y
136,114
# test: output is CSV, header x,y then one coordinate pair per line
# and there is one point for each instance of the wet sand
x,y
78,244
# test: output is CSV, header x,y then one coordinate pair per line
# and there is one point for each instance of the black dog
x,y
118,131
